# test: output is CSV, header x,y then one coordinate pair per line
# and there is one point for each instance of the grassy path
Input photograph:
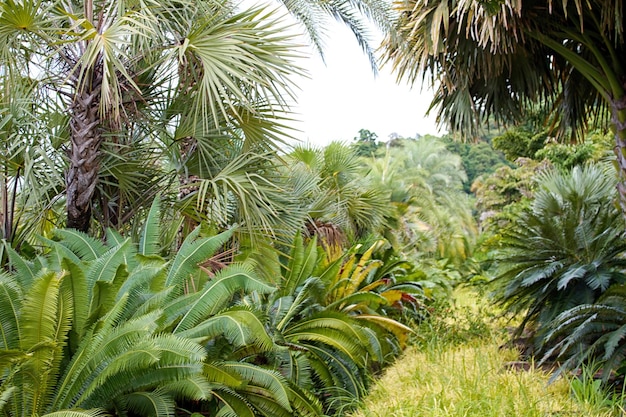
x,y
459,369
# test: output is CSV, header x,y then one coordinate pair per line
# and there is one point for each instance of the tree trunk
x,y
619,123
82,175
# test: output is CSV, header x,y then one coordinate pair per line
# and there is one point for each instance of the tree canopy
x,y
500,58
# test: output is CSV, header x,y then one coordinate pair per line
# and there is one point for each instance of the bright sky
x,y
343,96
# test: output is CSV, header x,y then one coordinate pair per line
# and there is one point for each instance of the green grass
x,y
458,368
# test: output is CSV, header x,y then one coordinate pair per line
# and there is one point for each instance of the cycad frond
x,y
38,321
83,245
333,329
193,251
218,291
151,232
104,268
77,413
76,285
157,403
234,404
286,309
265,382
337,372
240,325
11,300
24,269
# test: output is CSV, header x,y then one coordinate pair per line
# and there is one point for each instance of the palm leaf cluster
x,y
337,193
499,58
563,251
136,98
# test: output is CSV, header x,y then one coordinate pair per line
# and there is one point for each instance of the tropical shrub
x,y
592,334
563,251
114,327
329,344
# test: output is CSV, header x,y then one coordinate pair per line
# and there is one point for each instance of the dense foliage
x,y
563,251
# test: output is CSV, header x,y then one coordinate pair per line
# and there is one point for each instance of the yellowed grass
x,y
470,379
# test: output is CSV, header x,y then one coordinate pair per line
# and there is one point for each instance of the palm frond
x,y
193,251
218,291
149,242
86,247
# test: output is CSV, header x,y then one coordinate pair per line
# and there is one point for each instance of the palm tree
x,y
499,58
130,73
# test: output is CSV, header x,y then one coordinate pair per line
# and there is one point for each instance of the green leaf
x,y
191,253
86,247
151,233
218,291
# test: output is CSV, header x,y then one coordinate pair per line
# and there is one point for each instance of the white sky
x,y
343,97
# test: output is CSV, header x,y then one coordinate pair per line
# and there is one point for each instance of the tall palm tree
x,y
140,70
498,58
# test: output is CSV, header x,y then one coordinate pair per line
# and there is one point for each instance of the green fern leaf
x,y
192,252
219,290
83,245
151,233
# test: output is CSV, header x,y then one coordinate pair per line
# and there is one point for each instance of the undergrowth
x,y
458,366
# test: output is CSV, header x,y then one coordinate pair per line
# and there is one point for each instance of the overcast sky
x,y
343,96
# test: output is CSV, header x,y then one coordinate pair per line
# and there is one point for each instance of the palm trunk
x,y
619,123
82,175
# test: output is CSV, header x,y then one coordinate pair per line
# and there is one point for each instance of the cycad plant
x,y
591,333
112,327
565,250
